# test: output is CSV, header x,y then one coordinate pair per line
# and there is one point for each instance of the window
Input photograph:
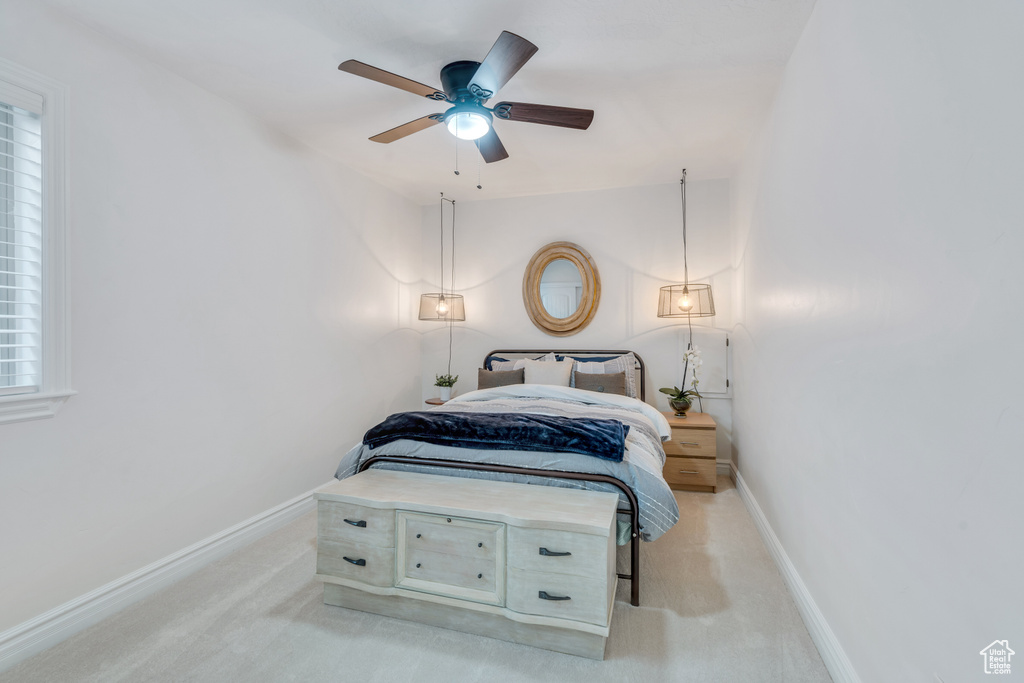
x,y
21,249
33,367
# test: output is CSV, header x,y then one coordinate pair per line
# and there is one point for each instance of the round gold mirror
x,y
561,289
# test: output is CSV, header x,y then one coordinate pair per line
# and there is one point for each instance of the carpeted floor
x,y
714,609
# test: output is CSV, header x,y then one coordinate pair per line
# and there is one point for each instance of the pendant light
x,y
687,300
444,306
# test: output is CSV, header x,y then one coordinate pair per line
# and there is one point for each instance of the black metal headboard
x,y
639,369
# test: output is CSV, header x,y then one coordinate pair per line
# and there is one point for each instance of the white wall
x,y
634,236
878,410
240,312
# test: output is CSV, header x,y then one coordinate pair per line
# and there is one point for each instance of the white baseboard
x,y
832,653
35,635
723,468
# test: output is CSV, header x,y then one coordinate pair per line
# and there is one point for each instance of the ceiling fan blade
x,y
401,131
507,56
490,147
387,78
565,117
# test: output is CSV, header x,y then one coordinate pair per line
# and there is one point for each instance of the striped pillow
x,y
625,364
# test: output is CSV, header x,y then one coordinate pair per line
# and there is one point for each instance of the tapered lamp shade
x,y
442,307
686,301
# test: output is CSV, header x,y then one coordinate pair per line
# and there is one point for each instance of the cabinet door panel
x,y
460,558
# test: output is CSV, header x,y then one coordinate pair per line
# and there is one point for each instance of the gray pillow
x,y
488,379
613,383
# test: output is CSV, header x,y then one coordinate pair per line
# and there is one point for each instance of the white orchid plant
x,y
691,360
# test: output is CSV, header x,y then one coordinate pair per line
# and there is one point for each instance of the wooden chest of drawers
x,y
530,564
691,453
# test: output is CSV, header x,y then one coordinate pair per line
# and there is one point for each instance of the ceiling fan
x,y
467,86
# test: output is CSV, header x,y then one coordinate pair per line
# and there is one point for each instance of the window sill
x,y
37,406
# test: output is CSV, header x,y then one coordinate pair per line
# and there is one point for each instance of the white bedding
x,y
571,394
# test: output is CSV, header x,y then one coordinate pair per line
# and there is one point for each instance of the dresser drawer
x,y
691,442
370,564
690,472
450,535
588,599
346,522
451,575
559,552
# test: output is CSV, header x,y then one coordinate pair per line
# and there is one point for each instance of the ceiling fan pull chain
x,y
456,150
479,166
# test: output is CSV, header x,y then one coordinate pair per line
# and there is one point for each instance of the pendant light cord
x,y
451,310
686,285
682,192
441,243
450,314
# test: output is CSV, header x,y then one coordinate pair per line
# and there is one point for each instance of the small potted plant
x,y
681,400
445,384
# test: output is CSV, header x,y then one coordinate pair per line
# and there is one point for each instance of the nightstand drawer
x,y
690,472
692,442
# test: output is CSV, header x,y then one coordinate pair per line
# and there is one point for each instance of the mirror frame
x,y
589,297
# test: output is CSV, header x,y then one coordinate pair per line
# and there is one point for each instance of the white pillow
x,y
626,364
548,372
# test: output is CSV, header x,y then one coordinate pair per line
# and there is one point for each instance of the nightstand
x,y
690,465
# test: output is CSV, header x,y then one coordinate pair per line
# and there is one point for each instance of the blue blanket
x,y
600,438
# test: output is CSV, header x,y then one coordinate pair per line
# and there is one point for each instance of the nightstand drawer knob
x,y
359,523
688,472
549,553
359,563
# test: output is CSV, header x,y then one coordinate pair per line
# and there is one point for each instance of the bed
x,y
647,506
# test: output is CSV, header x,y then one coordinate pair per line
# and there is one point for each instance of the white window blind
x,y
21,245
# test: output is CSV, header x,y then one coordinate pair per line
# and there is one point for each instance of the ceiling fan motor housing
x,y
455,80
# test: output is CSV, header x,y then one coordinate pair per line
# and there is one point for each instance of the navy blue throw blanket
x,y
600,438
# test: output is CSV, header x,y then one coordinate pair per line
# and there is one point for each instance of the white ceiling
x,y
673,83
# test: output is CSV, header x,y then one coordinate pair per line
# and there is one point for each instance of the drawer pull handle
x,y
359,523
479,545
548,553
417,565
544,596
359,563
688,443
688,472
418,535
479,576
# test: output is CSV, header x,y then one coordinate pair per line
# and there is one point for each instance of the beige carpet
x,y
714,609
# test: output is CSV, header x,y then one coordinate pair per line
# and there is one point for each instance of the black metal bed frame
x,y
634,520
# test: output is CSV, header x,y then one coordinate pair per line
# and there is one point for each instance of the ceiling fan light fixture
x,y
468,124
